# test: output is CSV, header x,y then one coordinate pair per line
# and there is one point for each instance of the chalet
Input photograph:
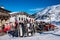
x,y
4,15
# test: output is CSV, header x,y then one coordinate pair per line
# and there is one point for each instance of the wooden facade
x,y
4,15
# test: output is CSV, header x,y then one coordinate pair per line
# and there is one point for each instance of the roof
x,y
19,13
4,9
4,12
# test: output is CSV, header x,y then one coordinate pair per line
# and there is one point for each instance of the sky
x,y
29,6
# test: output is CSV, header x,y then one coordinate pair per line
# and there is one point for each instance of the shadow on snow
x,y
49,33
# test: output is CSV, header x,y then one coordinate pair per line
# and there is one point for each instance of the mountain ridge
x,y
52,12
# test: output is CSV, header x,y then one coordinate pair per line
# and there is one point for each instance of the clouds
x,y
36,9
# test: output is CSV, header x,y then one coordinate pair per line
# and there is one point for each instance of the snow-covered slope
x,y
51,13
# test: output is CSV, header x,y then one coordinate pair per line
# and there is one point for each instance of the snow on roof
x,y
13,12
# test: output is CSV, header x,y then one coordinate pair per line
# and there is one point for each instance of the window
x,y
19,18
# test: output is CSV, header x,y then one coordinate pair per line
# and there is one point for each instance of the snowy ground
x,y
37,36
51,35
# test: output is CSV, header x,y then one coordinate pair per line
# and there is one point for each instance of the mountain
x,y
51,13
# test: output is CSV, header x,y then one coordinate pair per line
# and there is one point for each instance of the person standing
x,y
28,30
22,29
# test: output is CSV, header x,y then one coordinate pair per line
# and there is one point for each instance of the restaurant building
x,y
21,16
4,15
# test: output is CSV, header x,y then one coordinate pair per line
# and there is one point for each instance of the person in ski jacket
x,y
7,28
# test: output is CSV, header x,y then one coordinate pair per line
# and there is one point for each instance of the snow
x,y
57,33
52,11
37,36
50,35
13,12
